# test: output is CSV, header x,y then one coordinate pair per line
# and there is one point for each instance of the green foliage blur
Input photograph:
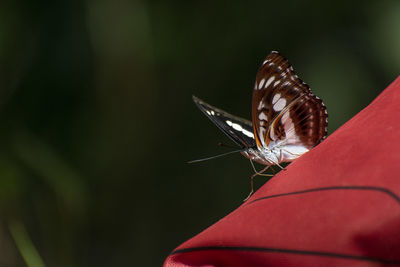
x,y
97,120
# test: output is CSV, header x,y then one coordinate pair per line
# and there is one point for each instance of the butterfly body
x,y
274,154
266,156
287,119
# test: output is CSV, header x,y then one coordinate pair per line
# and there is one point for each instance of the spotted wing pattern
x,y
238,129
284,110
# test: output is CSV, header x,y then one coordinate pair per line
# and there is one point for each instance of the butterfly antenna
x,y
217,156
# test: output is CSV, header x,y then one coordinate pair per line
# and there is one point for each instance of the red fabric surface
x,y
337,205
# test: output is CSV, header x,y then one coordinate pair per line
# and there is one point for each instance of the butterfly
x,y
287,119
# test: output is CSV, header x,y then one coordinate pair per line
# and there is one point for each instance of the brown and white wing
x,y
284,110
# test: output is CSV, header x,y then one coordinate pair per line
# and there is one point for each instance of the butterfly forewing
x,y
284,109
238,129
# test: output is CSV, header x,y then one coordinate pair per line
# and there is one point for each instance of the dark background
x,y
97,120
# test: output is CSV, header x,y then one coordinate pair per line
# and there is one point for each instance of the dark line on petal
x,y
355,187
288,251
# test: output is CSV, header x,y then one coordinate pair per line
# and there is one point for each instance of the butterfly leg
x,y
281,167
261,173
281,158
297,155
272,168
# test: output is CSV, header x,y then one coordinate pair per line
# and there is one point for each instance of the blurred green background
x,y
97,120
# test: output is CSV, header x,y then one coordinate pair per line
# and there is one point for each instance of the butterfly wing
x,y
284,110
238,129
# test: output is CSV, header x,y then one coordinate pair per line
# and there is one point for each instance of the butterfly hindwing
x,y
284,109
238,129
